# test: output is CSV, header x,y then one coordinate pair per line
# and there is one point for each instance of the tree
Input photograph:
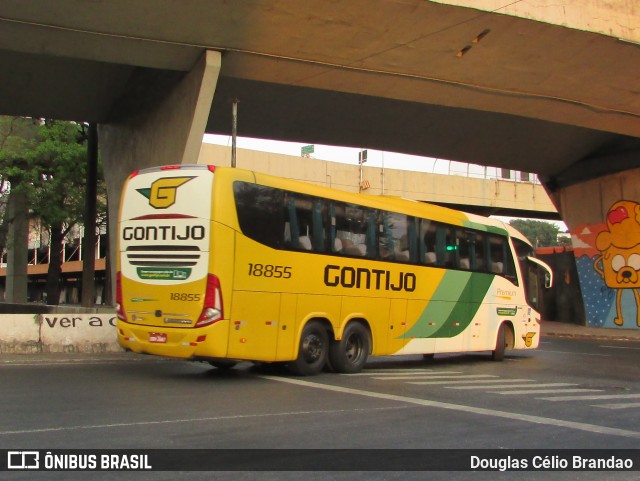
x,y
61,160
539,233
17,138
48,158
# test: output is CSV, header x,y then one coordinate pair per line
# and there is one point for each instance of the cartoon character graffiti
x,y
619,246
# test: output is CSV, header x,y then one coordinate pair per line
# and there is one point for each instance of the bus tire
x,y
223,364
312,351
501,344
349,354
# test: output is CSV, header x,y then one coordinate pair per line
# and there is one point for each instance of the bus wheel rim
x,y
312,347
353,348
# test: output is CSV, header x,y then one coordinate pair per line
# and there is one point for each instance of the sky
x,y
375,158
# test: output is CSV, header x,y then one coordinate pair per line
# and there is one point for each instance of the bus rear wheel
x,y
349,354
312,351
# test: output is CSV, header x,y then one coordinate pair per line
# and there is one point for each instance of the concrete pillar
x,y
161,119
17,247
603,216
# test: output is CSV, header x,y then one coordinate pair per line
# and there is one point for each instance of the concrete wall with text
x,y
604,219
58,332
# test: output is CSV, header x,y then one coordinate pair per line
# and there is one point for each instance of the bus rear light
x,y
212,310
212,168
119,306
169,167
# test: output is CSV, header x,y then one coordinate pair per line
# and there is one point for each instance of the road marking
x,y
618,405
592,428
192,420
576,353
433,376
472,381
80,362
527,392
622,347
591,398
397,372
514,386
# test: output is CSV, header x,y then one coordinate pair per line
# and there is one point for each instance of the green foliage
x,y
18,136
48,159
539,233
60,161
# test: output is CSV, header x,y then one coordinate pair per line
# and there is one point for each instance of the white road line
x,y
576,353
617,405
592,428
527,392
472,381
192,420
591,398
433,376
622,347
514,386
398,372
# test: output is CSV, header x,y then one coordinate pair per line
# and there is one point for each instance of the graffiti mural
x,y
608,260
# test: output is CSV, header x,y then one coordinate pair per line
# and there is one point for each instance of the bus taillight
x,y
212,309
119,307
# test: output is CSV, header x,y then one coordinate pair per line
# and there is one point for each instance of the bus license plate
x,y
158,337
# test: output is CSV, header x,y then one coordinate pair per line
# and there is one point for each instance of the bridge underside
x,y
410,76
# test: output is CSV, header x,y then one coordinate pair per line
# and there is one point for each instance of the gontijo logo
x,y
162,193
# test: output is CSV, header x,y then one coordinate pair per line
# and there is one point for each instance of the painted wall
x,y
604,220
58,332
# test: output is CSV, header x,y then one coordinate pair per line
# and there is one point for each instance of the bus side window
x,y
446,246
260,213
352,229
304,229
463,250
427,244
477,241
500,259
396,242
497,255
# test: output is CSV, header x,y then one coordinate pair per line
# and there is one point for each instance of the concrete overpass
x,y
555,95
484,196
537,86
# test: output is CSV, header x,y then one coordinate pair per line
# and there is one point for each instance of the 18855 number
x,y
268,270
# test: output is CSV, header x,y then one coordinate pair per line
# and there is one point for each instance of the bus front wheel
x,y
349,354
312,351
501,344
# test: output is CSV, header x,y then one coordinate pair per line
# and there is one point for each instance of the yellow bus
x,y
221,265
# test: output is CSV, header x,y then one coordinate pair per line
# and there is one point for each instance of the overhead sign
x,y
307,150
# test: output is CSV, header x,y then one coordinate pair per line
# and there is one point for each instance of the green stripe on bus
x,y
453,305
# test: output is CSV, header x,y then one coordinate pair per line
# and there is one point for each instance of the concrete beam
x,y
157,126
484,196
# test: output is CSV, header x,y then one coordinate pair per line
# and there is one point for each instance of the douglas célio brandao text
x,y
551,463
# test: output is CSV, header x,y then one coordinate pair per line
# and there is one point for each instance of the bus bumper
x,y
185,343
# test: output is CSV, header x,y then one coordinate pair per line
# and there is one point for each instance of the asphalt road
x,y
571,393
